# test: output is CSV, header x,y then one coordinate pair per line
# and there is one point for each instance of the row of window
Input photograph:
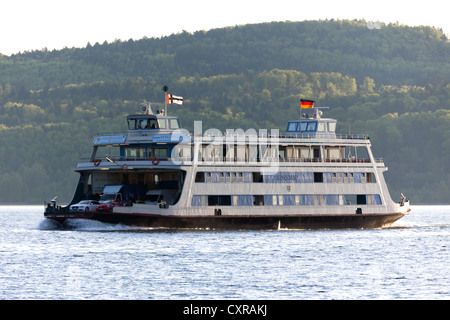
x,y
286,200
153,123
252,153
312,126
285,177
145,153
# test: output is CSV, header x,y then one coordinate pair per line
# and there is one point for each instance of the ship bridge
x,y
315,127
152,122
149,123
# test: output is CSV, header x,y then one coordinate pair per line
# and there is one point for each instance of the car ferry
x,y
160,175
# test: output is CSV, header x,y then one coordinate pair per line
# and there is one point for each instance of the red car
x,y
108,205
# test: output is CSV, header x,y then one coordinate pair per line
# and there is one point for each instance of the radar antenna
x,y
147,107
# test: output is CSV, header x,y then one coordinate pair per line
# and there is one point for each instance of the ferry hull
x,y
354,221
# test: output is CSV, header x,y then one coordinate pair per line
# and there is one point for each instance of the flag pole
x,y
165,89
300,110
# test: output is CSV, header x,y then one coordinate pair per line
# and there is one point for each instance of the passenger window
x,y
200,177
370,177
160,152
257,177
258,200
361,199
318,176
219,200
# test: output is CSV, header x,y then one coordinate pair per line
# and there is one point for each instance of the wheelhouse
x,y
312,126
152,122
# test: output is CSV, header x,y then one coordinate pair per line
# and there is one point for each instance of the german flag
x,y
306,104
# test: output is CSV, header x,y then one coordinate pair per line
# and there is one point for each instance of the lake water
x,y
93,260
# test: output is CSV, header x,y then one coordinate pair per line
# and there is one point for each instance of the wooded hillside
x,y
392,83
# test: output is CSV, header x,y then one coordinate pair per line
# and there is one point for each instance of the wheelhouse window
x,y
312,126
152,124
174,124
292,127
331,126
131,124
321,126
303,126
162,123
142,123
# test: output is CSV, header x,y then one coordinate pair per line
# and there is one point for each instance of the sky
x,y
27,25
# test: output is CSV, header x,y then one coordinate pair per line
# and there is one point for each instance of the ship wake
x,y
85,225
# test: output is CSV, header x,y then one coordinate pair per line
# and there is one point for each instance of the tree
x,y
368,85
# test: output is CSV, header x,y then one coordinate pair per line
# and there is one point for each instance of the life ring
x,y
155,161
125,166
97,162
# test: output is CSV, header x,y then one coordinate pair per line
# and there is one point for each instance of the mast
x,y
165,89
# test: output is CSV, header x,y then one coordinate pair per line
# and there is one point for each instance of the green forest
x,y
391,83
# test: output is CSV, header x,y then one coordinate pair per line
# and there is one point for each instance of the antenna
x,y
147,107
317,112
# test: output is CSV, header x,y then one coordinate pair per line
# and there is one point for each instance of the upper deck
x,y
308,140
151,128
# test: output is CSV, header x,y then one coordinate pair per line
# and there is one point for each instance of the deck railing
x,y
121,160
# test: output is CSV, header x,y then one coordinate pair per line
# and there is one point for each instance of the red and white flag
x,y
170,98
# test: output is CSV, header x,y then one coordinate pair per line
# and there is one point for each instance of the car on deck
x,y
85,206
108,205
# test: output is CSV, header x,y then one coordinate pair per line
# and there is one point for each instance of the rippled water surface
x,y
93,260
